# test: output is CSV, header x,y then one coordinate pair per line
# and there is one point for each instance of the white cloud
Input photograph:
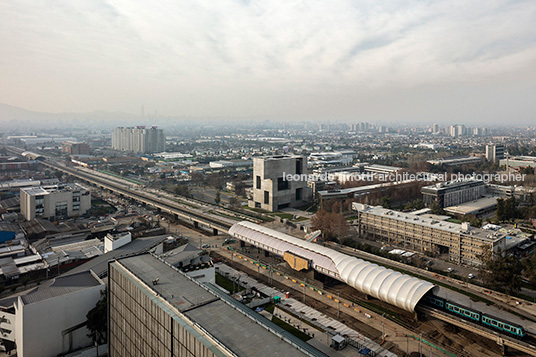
x,y
205,57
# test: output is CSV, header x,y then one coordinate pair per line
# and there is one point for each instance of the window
x,y
258,182
299,166
282,184
299,194
61,209
39,202
266,197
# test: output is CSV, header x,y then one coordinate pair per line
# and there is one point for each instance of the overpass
x,y
178,210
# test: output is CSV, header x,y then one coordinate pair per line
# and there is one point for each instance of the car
x,y
470,276
205,246
450,270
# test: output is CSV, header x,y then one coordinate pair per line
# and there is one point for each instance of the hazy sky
x,y
445,61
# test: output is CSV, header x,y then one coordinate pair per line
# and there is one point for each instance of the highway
x,y
182,210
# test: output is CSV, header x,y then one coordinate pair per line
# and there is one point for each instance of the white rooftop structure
x,y
398,289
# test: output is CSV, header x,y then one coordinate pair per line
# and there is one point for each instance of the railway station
x,y
387,285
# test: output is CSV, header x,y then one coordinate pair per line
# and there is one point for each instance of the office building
x,y
458,243
435,128
139,139
452,193
156,310
494,153
54,202
272,189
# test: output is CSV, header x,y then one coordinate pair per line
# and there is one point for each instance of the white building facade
x,y
54,202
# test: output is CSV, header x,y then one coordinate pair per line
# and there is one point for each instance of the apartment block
x,y
139,139
54,202
459,243
272,189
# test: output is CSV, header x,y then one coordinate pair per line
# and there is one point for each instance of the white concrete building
x,y
54,202
272,190
495,152
139,139
51,319
114,241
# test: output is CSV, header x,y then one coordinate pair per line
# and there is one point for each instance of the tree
x,y
332,224
436,208
529,266
500,271
183,190
233,202
507,209
217,199
97,321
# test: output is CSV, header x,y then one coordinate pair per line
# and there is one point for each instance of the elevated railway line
x,y
179,210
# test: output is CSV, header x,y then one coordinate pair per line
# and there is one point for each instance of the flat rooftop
x,y
473,206
45,190
245,333
427,222
444,186
60,286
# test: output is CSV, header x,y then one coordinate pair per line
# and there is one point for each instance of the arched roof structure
x,y
398,289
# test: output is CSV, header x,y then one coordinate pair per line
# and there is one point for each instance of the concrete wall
x,y
110,243
269,170
50,200
40,325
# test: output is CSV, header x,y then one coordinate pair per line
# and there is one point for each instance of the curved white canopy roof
x,y
398,289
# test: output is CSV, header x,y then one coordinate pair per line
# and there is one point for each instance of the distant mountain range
x,y
15,118
12,117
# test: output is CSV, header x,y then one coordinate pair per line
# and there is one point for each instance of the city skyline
x,y
412,62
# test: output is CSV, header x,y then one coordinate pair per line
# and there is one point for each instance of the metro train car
x,y
495,323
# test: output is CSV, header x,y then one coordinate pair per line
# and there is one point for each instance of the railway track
x,y
527,345
158,202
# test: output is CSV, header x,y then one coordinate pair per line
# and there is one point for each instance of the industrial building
x,y
156,310
54,202
452,193
139,139
459,243
395,288
272,189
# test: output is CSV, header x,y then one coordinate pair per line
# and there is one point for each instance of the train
x,y
476,316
